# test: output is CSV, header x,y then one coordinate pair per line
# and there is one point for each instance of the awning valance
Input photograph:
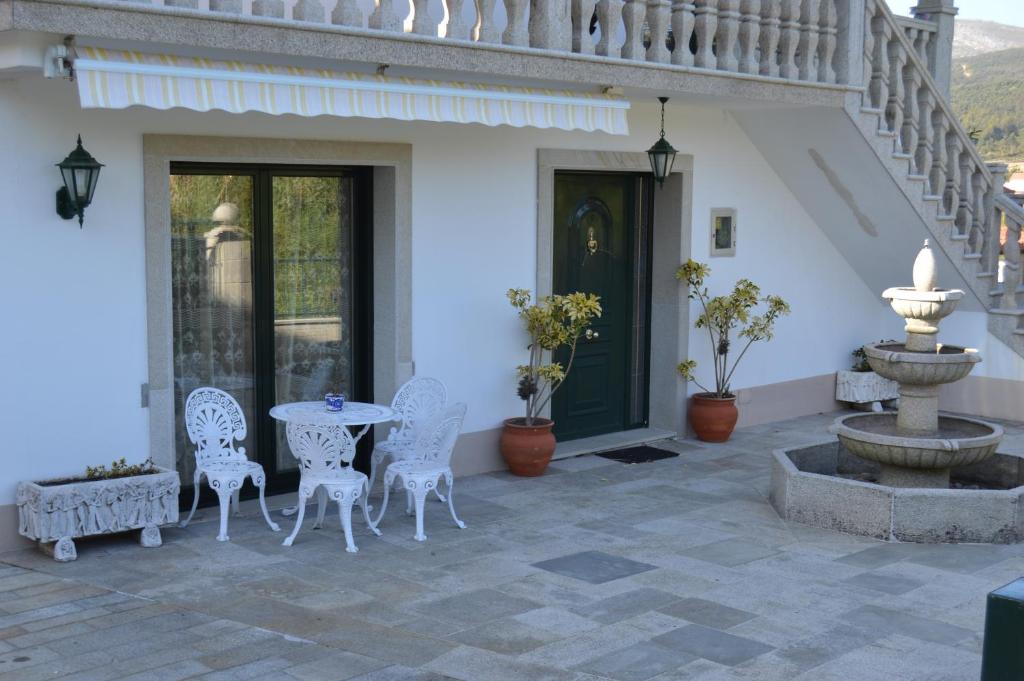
x,y
114,79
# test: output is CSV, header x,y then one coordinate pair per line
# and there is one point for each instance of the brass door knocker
x,y
592,244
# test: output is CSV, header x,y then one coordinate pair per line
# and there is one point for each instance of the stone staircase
x,y
908,120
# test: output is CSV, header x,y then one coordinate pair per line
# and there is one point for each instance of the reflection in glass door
x,y
312,292
270,278
212,293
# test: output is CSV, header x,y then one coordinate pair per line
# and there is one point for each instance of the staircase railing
x,y
1011,215
922,35
928,133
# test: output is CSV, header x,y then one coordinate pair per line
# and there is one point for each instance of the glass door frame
x,y
264,430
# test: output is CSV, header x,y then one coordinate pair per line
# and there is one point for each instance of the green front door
x,y
601,246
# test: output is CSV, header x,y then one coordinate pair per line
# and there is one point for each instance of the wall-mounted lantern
x,y
662,154
80,171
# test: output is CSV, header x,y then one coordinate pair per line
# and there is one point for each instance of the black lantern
x,y
80,172
662,154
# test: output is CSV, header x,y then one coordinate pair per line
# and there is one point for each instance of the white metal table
x,y
354,414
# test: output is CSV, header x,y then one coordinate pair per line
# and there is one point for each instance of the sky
x,y
1003,11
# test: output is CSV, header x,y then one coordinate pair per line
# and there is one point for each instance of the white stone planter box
x,y
55,515
865,388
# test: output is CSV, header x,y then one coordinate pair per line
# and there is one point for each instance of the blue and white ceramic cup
x,y
334,402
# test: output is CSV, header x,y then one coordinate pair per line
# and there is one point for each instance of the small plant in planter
x,y
862,387
103,501
713,413
554,323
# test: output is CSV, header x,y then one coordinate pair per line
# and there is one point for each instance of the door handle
x,y
591,334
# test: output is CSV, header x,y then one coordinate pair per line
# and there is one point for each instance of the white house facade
x,y
297,199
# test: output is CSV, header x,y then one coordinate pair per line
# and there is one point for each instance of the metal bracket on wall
x,y
144,395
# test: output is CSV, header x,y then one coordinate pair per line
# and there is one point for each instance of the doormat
x,y
638,454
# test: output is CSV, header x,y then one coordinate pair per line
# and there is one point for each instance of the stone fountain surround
x,y
805,488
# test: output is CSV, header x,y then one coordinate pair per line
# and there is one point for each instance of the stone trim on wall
x,y
670,310
392,254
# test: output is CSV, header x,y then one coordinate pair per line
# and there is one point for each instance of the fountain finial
x,y
925,276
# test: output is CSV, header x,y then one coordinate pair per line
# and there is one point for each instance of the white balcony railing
x,y
790,39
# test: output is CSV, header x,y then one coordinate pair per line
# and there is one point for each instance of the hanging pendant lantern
x,y
662,154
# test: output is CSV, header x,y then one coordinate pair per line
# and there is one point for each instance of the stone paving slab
x,y
671,570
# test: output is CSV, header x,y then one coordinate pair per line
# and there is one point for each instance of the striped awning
x,y
113,79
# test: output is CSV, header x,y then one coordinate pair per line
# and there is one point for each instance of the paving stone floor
x,y
677,569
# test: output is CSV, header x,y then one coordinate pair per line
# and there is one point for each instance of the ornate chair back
x,y
437,442
324,450
418,401
214,422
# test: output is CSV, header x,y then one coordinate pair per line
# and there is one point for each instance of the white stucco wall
x,y
74,300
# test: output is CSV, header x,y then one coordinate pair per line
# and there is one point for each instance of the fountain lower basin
x,y
913,458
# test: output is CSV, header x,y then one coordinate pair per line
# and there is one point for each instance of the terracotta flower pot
x,y
527,449
713,418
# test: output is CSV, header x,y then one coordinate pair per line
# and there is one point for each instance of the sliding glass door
x,y
271,282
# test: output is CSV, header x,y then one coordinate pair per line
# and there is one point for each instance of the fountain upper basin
x,y
959,441
948,364
910,303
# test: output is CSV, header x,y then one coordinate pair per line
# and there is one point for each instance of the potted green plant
x,y
554,324
713,413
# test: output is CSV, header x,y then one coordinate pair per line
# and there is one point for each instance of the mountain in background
x,y
974,37
988,86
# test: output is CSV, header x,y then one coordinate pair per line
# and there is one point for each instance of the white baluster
x,y
938,176
829,42
516,31
1012,269
910,134
808,49
771,10
184,4
227,6
422,22
455,27
347,13
268,8
728,30
486,30
868,54
705,26
385,18
976,240
964,217
609,18
682,31
897,90
925,141
582,13
309,10
993,217
953,150
750,32
551,25
789,38
880,67
657,20
633,17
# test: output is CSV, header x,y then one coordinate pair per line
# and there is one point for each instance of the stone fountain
x,y
916,447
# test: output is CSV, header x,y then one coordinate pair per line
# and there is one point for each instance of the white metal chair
x,y
325,451
429,463
418,402
214,422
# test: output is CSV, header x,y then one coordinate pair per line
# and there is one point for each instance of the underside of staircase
x,y
896,167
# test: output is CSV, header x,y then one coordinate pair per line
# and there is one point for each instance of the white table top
x,y
354,413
